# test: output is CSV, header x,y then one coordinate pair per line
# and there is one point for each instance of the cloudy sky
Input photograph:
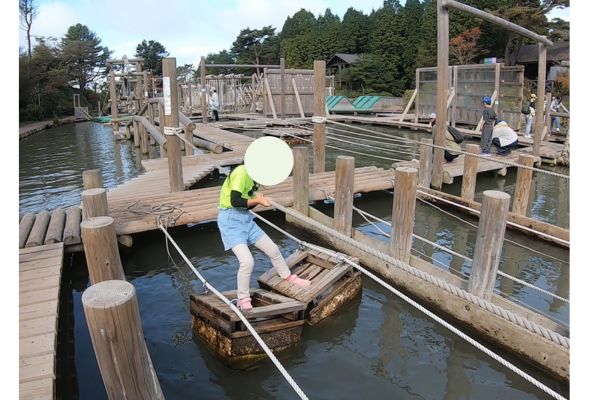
x,y
188,29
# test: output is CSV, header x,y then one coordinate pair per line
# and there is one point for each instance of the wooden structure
x,y
48,228
278,319
467,85
333,283
40,271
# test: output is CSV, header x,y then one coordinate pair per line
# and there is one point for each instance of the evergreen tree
x,y
223,57
410,34
300,23
83,56
152,53
251,45
354,32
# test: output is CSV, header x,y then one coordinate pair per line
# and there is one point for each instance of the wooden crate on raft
x,y
277,319
333,283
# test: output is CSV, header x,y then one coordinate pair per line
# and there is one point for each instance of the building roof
x,y
347,58
559,51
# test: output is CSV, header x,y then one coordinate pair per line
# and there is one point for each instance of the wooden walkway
x,y
200,205
39,285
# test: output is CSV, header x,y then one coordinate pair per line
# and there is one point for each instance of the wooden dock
x,y
200,205
39,286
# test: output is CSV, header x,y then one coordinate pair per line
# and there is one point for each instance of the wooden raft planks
x,y
200,205
39,285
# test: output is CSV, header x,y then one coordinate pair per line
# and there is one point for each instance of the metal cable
x,y
456,331
506,314
241,316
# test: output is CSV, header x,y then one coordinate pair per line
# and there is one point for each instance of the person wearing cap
x,y
504,138
489,119
238,230
451,148
530,117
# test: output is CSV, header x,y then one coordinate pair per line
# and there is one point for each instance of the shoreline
x,y
35,127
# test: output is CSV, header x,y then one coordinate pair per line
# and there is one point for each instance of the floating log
x,y
278,319
38,231
214,147
333,284
72,233
56,227
25,228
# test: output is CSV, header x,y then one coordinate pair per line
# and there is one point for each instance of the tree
x,y
410,33
463,48
375,73
249,45
300,23
152,53
82,55
354,32
185,72
558,30
223,57
28,11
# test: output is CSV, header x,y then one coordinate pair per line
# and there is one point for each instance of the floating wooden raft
x,y
277,319
48,228
333,283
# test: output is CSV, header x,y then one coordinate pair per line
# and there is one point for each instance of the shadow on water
x,y
377,347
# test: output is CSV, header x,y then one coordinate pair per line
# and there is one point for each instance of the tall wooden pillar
x,y
171,102
344,194
403,212
539,105
319,111
442,95
114,105
282,96
300,179
203,90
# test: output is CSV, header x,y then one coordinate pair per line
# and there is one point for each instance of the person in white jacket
x,y
214,105
504,138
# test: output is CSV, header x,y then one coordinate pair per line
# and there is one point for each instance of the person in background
x,y
214,105
238,230
504,138
451,143
489,119
556,106
529,117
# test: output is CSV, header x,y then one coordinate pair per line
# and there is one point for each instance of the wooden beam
x,y
410,102
442,88
539,106
403,212
171,103
319,111
469,172
344,194
298,98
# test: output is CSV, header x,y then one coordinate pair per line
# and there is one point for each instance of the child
x,y
452,148
489,118
238,230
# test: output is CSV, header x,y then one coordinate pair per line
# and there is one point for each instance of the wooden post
x,y
417,78
56,226
344,194
136,134
38,231
143,138
300,179
25,228
203,89
403,212
113,319
455,85
146,86
128,131
425,162
539,106
254,85
282,95
548,118
172,122
94,202
101,249
319,111
488,246
496,104
92,179
114,107
138,87
442,95
161,126
523,185
469,173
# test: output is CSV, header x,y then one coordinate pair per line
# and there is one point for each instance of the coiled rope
x,y
234,308
500,311
342,258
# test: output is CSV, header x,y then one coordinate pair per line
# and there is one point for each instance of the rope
x,y
342,258
509,163
363,214
506,314
477,212
241,316
162,212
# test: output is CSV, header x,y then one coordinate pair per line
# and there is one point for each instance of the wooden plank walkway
x,y
39,285
200,205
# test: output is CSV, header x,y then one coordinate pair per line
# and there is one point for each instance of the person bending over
x,y
504,138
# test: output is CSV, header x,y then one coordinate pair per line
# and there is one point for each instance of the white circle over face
x,y
269,160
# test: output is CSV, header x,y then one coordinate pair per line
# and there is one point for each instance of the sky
x,y
196,28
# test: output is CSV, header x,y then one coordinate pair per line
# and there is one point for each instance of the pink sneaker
x,y
245,304
303,283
